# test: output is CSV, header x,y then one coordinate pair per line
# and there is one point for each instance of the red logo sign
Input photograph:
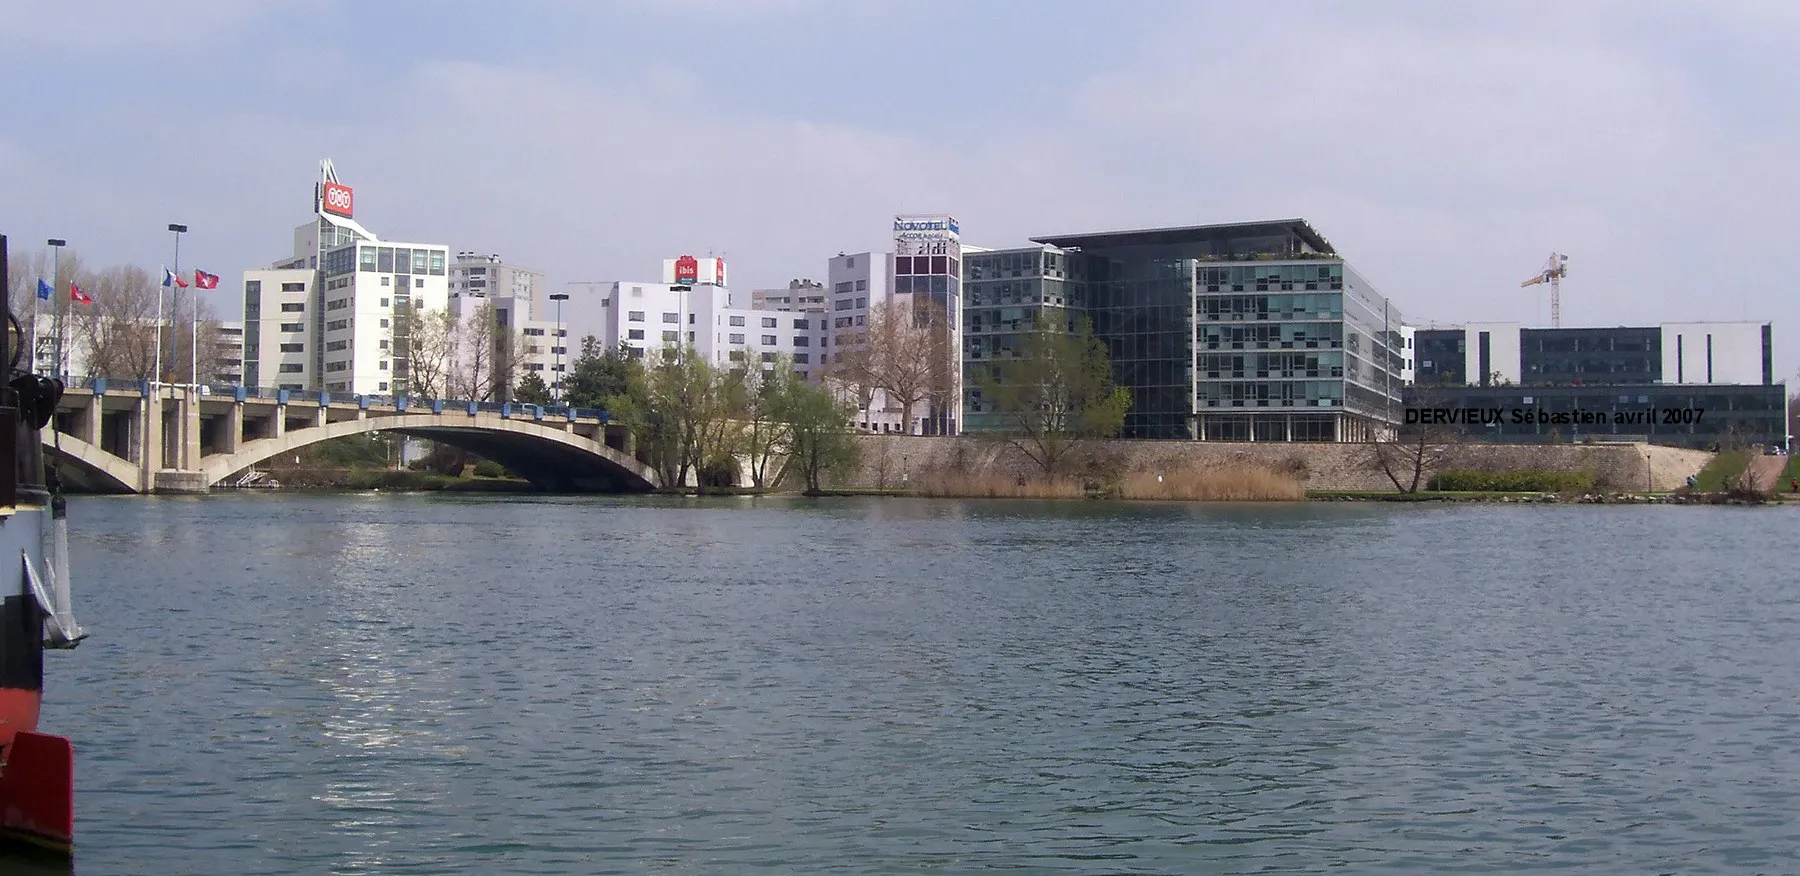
x,y
339,200
687,269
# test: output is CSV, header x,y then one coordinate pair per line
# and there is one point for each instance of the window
x,y
672,318
293,348
802,341
768,322
844,304
384,343
293,326
635,316
844,287
293,287
381,366
671,337
862,285
737,320
384,322
769,340
859,319
418,282
293,307
333,346
802,324
862,302
337,325
384,386
736,338
802,359
384,302
768,357
635,334
384,280
291,368
850,262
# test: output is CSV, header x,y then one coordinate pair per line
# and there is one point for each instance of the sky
x,y
1445,149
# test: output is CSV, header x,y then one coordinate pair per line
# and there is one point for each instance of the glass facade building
x,y
1247,332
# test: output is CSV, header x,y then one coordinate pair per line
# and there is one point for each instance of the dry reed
x,y
1242,482
992,485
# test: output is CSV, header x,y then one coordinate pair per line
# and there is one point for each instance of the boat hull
x,y
37,770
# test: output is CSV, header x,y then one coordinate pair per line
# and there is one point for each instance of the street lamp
x,y
156,378
56,247
557,343
681,289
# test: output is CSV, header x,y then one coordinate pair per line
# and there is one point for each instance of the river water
x,y
437,684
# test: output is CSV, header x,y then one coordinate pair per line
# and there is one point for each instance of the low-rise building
x,y
1689,384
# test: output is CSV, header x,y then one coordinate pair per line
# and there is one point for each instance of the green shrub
x,y
488,468
1513,481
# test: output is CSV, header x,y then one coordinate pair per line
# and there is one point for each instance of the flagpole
x,y
56,245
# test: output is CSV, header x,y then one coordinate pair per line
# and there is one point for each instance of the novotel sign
x,y
925,226
338,200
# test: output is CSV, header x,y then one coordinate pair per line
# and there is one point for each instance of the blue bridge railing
x,y
509,409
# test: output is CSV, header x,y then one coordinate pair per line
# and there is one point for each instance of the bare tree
x,y
1417,449
904,353
484,356
428,338
118,329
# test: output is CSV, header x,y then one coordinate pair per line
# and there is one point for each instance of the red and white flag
x,y
78,296
204,280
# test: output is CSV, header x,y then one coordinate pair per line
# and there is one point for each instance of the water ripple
x,y
391,684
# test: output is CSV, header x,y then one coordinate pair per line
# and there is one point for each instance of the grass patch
x,y
1722,471
1512,481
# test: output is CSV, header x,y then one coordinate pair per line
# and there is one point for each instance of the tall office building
x,y
1255,331
335,315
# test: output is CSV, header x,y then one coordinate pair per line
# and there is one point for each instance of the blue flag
x,y
43,289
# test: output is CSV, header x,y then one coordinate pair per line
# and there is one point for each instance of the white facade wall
x,y
278,325
1712,352
359,314
1408,369
649,317
1503,351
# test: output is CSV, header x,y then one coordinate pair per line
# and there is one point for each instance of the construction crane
x,y
1556,268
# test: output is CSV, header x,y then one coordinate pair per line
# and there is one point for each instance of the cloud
x,y
1446,149
175,28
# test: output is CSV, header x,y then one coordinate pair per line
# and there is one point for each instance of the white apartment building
x,y
646,317
326,318
803,295
522,304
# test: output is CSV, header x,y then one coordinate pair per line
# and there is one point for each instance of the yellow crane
x,y
1556,268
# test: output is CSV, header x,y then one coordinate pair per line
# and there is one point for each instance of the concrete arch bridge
x,y
135,437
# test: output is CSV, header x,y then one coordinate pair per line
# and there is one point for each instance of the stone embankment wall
x,y
893,460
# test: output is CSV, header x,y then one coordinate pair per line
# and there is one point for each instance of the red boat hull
x,y
37,791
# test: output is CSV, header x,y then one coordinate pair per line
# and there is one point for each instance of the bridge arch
x,y
89,467
550,458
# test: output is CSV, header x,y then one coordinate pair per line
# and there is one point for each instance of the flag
x,y
44,290
204,280
170,278
78,296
